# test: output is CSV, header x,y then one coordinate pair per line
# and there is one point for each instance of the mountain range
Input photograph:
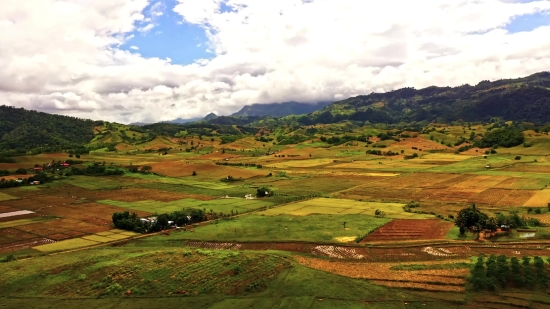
x,y
280,109
522,99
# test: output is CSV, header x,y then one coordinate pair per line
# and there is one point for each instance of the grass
x,y
219,205
6,197
95,183
343,206
98,278
454,233
256,227
181,181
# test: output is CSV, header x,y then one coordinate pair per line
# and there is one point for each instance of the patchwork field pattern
x,y
86,241
218,205
480,189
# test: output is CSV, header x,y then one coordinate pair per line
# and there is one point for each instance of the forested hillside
x,y
22,129
522,99
280,109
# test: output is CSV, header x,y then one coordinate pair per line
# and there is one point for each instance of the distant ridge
x,y
280,109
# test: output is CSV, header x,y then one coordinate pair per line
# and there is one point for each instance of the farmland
x,y
358,228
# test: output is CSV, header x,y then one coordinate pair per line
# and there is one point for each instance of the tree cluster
x,y
500,272
132,222
470,218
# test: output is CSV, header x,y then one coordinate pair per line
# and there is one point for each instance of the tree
x,y
470,217
528,272
491,224
541,274
20,171
264,191
492,272
194,173
503,270
478,276
517,272
379,213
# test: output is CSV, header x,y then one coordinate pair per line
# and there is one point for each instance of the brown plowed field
x,y
409,229
442,280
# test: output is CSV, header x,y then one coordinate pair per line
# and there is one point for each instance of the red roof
x,y
38,168
65,164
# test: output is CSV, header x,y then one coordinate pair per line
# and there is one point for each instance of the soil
x,y
409,229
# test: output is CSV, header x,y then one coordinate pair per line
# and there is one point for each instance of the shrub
x,y
9,258
517,158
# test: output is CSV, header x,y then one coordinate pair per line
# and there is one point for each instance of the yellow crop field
x,y
302,163
97,238
66,245
541,198
343,206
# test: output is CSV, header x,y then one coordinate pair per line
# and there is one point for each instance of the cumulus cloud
x,y
65,57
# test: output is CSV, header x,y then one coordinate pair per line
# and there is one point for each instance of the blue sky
x,y
528,22
171,38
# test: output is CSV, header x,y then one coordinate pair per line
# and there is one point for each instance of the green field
x,y
258,227
181,181
96,183
219,205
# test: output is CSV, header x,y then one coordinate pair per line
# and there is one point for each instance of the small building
x,y
38,168
65,164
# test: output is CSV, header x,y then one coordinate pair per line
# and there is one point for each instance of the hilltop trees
x,y
505,137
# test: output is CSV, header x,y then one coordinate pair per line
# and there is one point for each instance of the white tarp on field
x,y
15,213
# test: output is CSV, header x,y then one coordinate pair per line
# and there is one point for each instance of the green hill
x,y
522,99
280,109
24,129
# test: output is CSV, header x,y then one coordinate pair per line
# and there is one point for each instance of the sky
x,y
157,60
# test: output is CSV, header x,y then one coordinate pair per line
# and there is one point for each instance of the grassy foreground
x,y
97,278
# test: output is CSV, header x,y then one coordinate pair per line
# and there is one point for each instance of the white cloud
x,y
134,47
63,57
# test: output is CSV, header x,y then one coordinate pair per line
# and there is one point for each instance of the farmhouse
x,y
38,168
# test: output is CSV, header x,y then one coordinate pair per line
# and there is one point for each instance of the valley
x,y
375,229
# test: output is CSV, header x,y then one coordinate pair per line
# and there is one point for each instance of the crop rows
x,y
381,273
